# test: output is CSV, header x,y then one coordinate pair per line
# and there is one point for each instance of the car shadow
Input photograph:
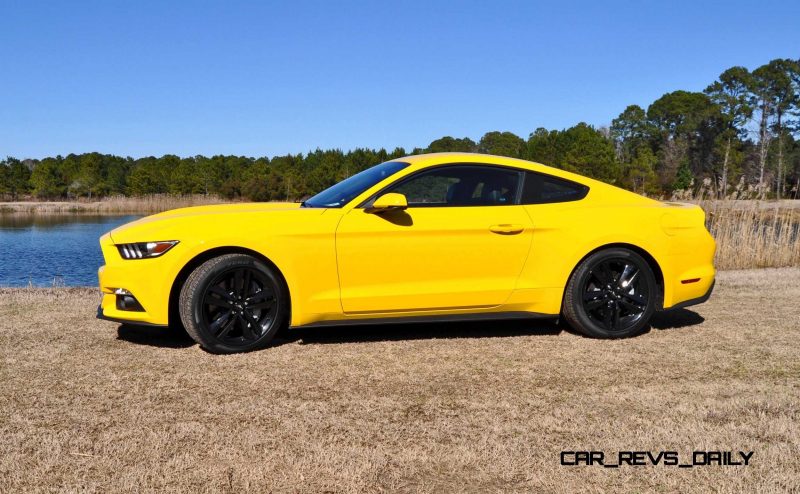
x,y
155,336
675,319
368,333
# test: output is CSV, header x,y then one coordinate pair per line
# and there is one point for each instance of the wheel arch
x,y
175,290
651,261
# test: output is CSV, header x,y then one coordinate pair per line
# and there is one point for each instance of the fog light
x,y
126,301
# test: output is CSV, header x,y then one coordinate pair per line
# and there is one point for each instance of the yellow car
x,y
446,236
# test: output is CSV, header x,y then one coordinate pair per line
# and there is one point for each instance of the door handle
x,y
506,229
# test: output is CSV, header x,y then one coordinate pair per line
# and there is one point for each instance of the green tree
x,y
451,144
630,130
730,94
148,176
543,147
640,171
589,152
47,181
18,176
502,144
686,125
4,179
773,91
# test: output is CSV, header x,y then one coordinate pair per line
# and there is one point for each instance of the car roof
x,y
419,161
598,188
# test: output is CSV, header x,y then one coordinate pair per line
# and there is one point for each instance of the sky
x,y
140,78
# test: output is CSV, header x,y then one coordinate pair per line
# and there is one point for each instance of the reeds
x,y
750,232
754,234
153,203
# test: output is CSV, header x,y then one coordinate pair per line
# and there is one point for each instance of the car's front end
x,y
132,281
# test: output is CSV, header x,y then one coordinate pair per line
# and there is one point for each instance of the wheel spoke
x,y
246,285
238,281
615,322
632,308
592,295
247,330
594,304
607,317
227,328
636,299
219,322
221,292
252,319
262,305
626,271
604,274
262,295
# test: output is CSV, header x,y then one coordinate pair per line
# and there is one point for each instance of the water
x,y
53,249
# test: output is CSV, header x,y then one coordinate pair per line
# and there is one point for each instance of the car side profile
x,y
445,236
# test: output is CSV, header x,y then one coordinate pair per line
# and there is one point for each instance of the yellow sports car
x,y
449,236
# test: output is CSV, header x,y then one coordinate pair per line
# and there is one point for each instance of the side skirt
x,y
489,316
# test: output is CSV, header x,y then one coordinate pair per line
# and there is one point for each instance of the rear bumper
x,y
695,301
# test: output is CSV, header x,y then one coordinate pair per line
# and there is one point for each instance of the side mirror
x,y
388,202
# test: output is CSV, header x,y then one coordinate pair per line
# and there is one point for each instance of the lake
x,y
47,250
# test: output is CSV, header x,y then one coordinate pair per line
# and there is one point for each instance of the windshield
x,y
343,192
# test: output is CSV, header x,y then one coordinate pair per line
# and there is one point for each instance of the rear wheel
x,y
233,303
611,294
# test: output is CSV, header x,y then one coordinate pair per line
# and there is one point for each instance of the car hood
x,y
170,224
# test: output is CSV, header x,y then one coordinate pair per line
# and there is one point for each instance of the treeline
x,y
739,137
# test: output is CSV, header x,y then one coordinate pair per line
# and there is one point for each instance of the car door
x,y
461,243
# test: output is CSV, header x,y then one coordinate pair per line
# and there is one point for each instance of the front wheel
x,y
233,303
611,294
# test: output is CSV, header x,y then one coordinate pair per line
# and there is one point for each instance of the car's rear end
x,y
689,267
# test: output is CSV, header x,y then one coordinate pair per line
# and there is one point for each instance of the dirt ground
x,y
87,405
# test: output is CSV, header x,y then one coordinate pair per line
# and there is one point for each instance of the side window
x,y
541,189
462,185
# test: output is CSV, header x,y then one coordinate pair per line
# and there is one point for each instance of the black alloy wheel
x,y
233,303
612,294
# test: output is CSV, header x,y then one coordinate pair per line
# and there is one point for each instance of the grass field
x,y
91,406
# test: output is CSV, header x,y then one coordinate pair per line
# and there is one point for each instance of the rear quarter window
x,y
540,188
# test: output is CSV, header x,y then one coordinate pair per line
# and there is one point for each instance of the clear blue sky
x,y
263,78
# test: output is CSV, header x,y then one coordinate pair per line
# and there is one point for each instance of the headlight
x,y
144,250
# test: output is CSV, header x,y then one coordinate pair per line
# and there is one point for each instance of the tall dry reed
x,y
750,231
754,234
153,203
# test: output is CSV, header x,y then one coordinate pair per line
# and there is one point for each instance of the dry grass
x,y
153,203
754,234
435,408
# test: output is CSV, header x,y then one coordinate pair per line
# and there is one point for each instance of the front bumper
x,y
101,315
149,281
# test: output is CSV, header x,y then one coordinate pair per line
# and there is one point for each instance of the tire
x,y
611,294
234,303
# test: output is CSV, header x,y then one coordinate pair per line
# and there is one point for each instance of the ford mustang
x,y
445,236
